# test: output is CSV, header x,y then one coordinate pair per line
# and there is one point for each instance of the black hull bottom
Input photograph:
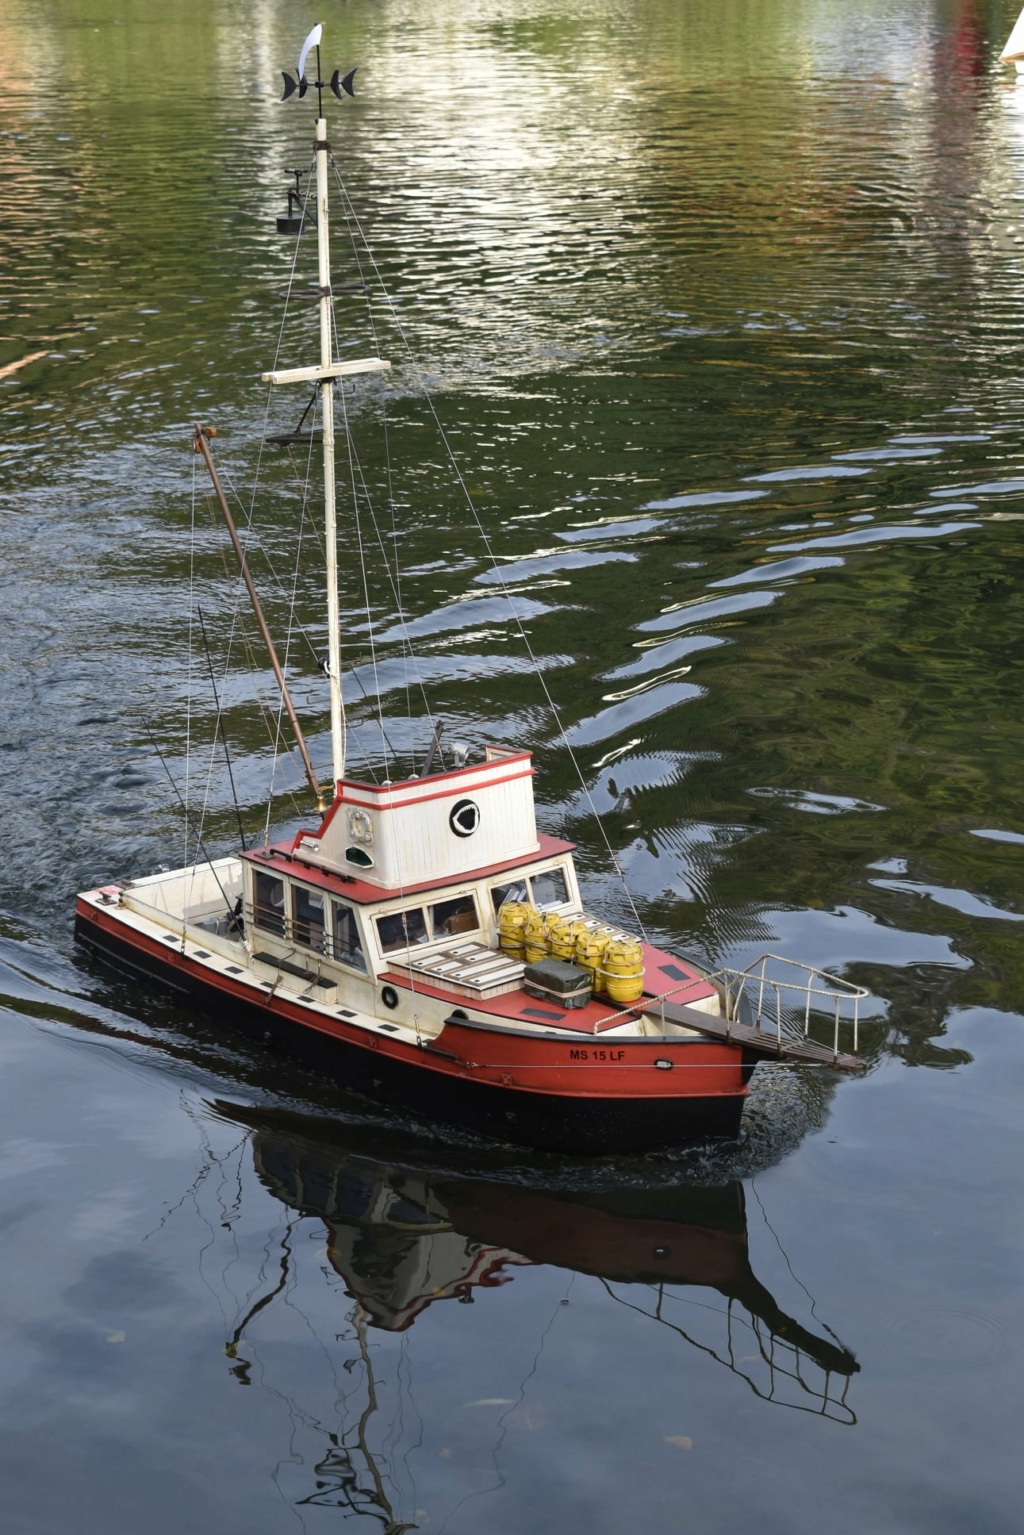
x,y
543,1121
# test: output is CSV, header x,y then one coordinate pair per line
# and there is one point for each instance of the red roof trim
x,y
350,888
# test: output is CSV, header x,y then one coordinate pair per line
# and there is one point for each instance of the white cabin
x,y
435,828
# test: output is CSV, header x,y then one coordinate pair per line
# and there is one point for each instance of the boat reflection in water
x,y
403,1238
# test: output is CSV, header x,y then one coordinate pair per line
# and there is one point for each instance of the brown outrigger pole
x,y
202,445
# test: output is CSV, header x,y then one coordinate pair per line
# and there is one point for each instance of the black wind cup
x,y
337,83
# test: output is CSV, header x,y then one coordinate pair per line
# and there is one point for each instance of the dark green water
x,y
719,305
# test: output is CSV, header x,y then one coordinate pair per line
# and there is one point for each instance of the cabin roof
x,y
286,858
499,765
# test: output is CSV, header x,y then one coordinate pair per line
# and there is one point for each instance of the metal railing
x,y
303,933
785,1005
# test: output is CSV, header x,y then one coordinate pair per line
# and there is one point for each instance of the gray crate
x,y
553,980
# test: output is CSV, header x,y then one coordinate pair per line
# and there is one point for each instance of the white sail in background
x,y
1014,49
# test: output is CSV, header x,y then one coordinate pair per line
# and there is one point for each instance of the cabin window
x,y
308,917
268,905
348,946
517,891
359,856
456,916
402,929
549,888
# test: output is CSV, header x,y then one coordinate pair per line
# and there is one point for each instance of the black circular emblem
x,y
464,818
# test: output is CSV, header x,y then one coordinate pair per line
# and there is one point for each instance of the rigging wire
x,y
394,575
249,536
238,630
219,727
353,674
236,627
287,653
272,717
188,687
247,531
485,539
357,522
200,848
410,658
304,480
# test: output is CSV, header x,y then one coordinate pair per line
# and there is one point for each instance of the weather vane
x,y
338,82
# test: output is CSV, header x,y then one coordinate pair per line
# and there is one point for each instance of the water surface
x,y
719,308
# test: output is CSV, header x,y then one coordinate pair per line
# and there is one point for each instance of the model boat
x,y
424,944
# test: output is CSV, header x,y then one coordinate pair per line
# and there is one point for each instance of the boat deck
x,y
492,981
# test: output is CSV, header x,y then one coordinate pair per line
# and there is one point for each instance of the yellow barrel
x,y
562,935
538,926
621,972
590,946
512,920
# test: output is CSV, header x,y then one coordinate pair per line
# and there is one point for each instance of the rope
x,y
284,664
362,568
394,575
250,512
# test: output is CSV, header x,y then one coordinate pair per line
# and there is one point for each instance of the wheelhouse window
x,y
348,945
456,916
549,888
516,891
308,918
402,929
268,903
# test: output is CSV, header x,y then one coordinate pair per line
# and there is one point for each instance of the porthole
x,y
389,997
359,857
464,818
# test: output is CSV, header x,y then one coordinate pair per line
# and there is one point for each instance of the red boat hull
x,y
587,1095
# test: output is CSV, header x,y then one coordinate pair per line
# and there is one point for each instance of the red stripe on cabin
x,y
287,855
462,773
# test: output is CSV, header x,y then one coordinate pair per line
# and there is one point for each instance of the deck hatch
x,y
469,969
